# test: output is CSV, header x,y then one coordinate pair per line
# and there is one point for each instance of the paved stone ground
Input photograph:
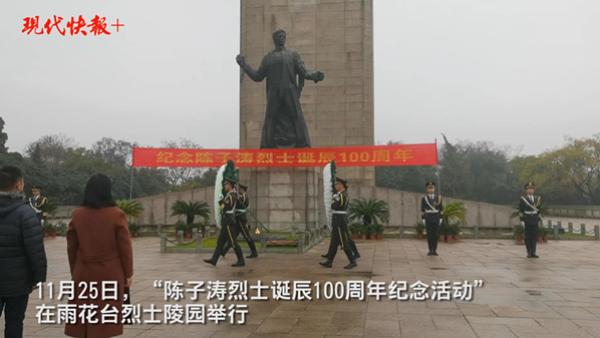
x,y
555,296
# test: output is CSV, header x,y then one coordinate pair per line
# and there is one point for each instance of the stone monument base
x,y
284,199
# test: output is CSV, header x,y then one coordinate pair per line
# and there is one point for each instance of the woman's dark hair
x,y
98,193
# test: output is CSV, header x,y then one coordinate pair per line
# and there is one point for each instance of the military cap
x,y
342,181
229,180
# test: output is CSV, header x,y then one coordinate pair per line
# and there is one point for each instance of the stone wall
x,y
157,208
404,208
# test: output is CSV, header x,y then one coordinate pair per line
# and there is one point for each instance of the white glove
x,y
440,222
423,220
522,223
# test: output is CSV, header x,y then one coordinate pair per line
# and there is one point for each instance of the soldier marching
x,y
339,234
229,225
241,210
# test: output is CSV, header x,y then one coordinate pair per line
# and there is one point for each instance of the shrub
x,y
378,229
518,230
420,228
186,227
357,229
369,211
61,229
131,208
134,229
446,229
190,210
454,216
49,230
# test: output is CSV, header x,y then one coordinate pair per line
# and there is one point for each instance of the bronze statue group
x,y
235,203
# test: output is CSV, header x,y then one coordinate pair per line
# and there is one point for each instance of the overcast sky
x,y
520,73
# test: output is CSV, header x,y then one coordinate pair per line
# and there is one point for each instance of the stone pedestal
x,y
284,198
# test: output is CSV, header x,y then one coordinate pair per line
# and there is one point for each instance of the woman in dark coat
x,y
99,248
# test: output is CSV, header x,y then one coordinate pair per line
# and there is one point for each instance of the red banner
x,y
362,156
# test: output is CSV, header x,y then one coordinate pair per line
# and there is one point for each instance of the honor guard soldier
x,y
432,211
332,248
529,213
241,209
229,227
38,202
339,225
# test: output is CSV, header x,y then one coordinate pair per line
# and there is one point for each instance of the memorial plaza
x,y
554,296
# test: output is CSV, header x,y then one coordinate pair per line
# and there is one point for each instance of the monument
x,y
284,125
336,37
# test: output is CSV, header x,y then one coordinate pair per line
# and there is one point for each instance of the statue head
x,y
279,38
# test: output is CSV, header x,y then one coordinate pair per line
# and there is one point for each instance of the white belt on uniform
x,y
339,212
431,211
530,212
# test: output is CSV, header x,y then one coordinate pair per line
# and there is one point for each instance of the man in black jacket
x,y
22,255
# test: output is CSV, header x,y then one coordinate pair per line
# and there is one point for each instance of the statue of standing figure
x,y
284,125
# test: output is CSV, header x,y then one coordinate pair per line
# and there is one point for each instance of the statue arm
x,y
256,75
306,73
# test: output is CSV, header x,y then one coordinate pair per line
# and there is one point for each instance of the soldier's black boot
x,y
325,256
354,248
225,250
253,252
351,258
214,259
240,257
352,265
326,264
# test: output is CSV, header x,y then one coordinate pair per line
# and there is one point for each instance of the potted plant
x,y
190,210
518,232
132,209
378,231
420,230
134,229
454,230
356,229
454,215
49,209
369,212
542,234
61,229
49,230
188,229
445,230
